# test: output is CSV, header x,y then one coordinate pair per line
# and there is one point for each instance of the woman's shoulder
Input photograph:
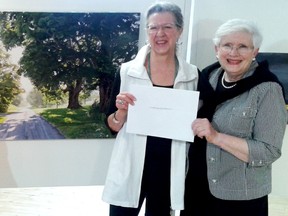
x,y
211,67
190,66
270,87
188,70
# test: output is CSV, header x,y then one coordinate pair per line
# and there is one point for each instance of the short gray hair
x,y
164,6
239,25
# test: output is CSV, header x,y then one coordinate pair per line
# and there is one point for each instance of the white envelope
x,y
163,112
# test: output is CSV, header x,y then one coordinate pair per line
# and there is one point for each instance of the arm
x,y
116,120
269,124
269,128
234,145
118,108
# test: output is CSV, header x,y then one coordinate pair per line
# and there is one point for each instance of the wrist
x,y
218,140
114,118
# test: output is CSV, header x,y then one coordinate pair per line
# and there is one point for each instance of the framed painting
x,y
59,87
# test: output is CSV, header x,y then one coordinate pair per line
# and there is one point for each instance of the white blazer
x,y
123,181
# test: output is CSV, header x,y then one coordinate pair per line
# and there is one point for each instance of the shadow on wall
x,y
45,163
203,51
281,46
6,179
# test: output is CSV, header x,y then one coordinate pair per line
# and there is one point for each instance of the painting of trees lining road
x,y
60,86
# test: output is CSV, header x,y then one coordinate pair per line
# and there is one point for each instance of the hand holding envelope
x,y
163,112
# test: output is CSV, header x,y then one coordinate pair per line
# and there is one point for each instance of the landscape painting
x,y
57,72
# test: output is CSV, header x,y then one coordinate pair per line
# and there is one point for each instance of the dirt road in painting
x,y
27,125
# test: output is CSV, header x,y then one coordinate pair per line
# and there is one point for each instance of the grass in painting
x,y
77,124
11,109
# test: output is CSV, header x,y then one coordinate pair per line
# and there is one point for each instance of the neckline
x,y
149,69
227,85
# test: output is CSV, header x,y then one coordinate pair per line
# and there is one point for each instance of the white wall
x,y
279,171
272,19
54,162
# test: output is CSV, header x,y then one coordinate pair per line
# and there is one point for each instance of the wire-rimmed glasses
x,y
155,28
242,49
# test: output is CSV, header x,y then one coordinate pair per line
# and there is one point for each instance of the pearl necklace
x,y
227,87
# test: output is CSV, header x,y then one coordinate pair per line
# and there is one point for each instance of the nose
x,y
234,51
161,30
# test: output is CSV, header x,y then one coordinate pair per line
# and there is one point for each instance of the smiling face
x,y
163,33
235,54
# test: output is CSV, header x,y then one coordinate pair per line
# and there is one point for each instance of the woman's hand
x,y
123,99
118,118
203,128
234,145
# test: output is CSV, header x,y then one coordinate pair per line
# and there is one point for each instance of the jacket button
x,y
212,159
214,181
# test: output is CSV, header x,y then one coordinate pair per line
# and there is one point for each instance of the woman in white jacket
x,y
148,167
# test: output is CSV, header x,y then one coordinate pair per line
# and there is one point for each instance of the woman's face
x,y
235,54
163,33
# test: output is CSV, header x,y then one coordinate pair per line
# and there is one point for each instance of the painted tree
x,y
72,51
9,81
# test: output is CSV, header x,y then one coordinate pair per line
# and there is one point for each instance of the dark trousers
x,y
155,188
214,206
199,201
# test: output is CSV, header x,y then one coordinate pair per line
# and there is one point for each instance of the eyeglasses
x,y
167,28
242,49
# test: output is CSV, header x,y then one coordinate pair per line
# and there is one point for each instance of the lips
x,y
234,62
161,42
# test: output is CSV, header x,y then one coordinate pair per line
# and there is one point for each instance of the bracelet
x,y
114,119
